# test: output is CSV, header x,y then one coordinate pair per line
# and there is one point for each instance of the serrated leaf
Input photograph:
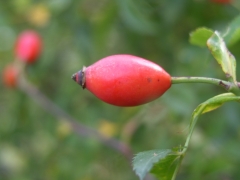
x,y
166,168
232,34
144,161
220,52
200,36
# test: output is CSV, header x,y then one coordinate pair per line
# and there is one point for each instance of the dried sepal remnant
x,y
79,77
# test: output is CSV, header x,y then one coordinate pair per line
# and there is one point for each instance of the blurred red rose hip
x,y
10,75
28,46
124,80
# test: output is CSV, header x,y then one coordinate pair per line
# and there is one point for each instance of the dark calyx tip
x,y
79,77
74,77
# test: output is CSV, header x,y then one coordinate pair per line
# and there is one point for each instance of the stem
x,y
177,80
218,82
177,168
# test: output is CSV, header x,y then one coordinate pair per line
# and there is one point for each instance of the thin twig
x,y
76,126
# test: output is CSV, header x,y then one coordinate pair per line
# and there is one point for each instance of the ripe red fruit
x,y
10,75
124,80
28,46
222,1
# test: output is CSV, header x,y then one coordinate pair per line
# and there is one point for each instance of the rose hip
x,y
28,46
124,80
10,75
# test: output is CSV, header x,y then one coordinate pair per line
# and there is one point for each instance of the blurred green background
x,y
36,145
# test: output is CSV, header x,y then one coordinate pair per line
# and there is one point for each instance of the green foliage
x,y
144,161
200,36
218,101
137,16
167,167
207,106
220,52
164,164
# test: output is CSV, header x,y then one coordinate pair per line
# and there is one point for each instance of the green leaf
x,y
209,105
200,36
162,163
220,52
232,34
143,161
166,168
212,106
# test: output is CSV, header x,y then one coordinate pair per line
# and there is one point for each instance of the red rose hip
x,y
28,46
124,80
10,76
